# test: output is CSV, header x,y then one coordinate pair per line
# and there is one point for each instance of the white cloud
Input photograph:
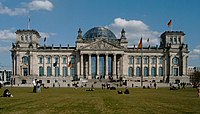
x,y
33,5
40,5
12,12
47,35
135,29
4,49
7,35
195,53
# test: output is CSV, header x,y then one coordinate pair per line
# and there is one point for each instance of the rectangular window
x,y
56,59
130,60
175,71
161,60
171,40
48,60
48,81
138,60
175,40
145,60
64,60
40,60
153,60
179,40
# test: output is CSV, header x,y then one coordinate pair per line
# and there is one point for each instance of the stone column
x,y
60,66
78,65
114,66
53,68
68,68
171,67
17,64
186,65
44,65
157,67
106,76
149,65
82,65
13,67
90,67
98,65
133,66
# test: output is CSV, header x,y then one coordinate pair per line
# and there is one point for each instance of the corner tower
x,y
175,52
27,38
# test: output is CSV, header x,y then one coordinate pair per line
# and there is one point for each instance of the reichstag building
x,y
98,56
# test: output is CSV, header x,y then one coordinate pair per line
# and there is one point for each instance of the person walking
x,y
38,87
198,90
34,85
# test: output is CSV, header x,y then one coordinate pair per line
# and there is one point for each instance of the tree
x,y
196,76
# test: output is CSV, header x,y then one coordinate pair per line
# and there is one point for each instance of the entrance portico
x,y
100,65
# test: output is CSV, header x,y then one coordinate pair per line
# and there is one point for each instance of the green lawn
x,y
79,101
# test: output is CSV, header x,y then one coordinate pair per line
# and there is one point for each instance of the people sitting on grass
x,y
198,90
7,93
125,92
112,88
173,88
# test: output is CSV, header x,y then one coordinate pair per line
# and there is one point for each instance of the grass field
x,y
79,101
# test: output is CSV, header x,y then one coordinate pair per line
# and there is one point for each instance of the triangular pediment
x,y
102,45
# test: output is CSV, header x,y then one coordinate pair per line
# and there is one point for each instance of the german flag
x,y
169,23
139,45
70,64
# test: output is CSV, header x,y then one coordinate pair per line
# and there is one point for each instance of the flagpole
x,y
28,22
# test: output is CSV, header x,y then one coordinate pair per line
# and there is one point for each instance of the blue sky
x,y
59,21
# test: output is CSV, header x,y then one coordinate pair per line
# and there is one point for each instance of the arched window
x,y
49,73
130,71
145,71
160,71
41,71
138,71
153,71
65,71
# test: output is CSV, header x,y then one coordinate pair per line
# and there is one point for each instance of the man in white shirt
x,y
34,85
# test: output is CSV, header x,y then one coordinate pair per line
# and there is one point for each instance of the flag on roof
x,y
148,40
70,64
169,23
45,38
139,45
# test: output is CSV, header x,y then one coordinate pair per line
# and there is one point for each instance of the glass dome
x,y
99,32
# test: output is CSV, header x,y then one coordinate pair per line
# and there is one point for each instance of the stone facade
x,y
99,55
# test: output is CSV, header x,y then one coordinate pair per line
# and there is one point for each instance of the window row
x,y
145,60
153,71
175,40
57,60
145,71
57,71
